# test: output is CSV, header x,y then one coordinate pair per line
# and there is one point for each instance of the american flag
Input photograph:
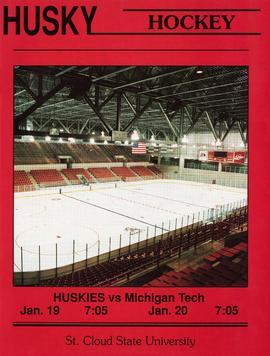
x,y
139,148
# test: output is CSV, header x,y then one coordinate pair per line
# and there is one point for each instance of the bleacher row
x,y
49,153
226,267
47,177
153,254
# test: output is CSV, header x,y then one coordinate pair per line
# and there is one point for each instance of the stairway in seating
x,y
94,179
115,175
32,179
65,178
136,174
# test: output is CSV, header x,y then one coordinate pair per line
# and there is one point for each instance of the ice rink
x,y
45,220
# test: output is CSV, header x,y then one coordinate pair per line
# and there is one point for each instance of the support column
x,y
118,111
181,163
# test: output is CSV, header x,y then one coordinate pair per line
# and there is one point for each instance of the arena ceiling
x,y
164,101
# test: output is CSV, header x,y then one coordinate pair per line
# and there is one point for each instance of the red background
x,y
229,158
253,301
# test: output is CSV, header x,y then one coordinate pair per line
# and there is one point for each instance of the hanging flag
x,y
139,148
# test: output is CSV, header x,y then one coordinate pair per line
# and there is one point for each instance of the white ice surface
x,y
45,218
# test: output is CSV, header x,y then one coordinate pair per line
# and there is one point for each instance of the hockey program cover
x,y
134,177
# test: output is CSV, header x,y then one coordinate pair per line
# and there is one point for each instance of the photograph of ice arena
x,y
130,176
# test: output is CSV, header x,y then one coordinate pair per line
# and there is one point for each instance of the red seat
x,y
103,174
123,172
21,178
47,176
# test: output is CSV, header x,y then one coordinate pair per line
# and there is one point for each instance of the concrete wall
x,y
97,165
134,164
29,167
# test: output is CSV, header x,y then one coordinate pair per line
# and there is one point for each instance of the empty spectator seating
x,y
115,153
223,268
100,274
31,153
124,173
143,171
72,174
22,182
103,174
48,177
229,271
21,178
48,152
84,153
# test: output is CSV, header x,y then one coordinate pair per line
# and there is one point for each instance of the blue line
x,y
114,212
177,201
